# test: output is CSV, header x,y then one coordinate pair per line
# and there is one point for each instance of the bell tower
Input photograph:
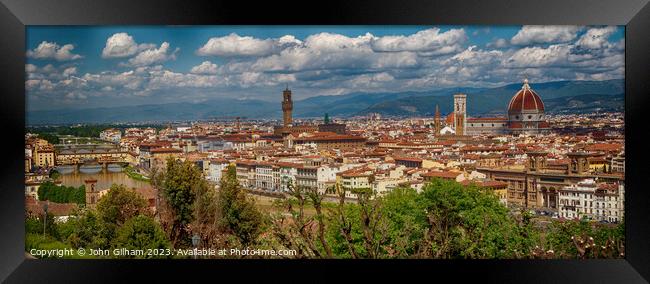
x,y
436,122
287,107
92,195
460,113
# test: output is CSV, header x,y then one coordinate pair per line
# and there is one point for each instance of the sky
x,y
104,66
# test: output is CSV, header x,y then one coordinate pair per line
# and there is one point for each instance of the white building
x,y
382,186
601,202
264,177
111,134
447,131
610,202
287,173
326,175
577,200
217,166
618,163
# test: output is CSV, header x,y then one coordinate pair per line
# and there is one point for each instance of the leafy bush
x,y
62,194
142,233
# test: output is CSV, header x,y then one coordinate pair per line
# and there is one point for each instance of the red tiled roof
x,y
35,207
411,159
525,100
604,147
166,150
331,138
445,175
450,118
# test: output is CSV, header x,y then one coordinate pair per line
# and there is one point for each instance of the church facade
x,y
525,114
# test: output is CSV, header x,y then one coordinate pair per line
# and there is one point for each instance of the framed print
x,y
437,138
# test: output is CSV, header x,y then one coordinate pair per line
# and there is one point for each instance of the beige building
x,y
538,184
44,156
358,178
159,156
326,141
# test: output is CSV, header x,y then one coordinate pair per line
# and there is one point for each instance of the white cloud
x,y
40,85
475,57
69,71
168,79
206,67
75,96
30,68
325,51
498,43
48,69
128,79
545,34
153,56
234,45
596,38
51,50
121,45
539,56
430,42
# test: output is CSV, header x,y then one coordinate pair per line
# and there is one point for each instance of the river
x,y
104,180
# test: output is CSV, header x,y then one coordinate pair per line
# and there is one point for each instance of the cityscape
x,y
541,175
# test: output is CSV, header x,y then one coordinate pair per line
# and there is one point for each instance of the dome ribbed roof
x,y
526,100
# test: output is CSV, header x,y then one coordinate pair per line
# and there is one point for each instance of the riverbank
x,y
132,173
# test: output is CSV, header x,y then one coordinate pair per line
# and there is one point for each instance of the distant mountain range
x,y
559,97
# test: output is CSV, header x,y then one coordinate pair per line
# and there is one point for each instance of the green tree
x,y
120,204
49,137
36,241
117,206
88,230
239,215
305,235
142,233
358,230
179,184
54,174
468,222
61,194
34,225
405,211
584,239
207,217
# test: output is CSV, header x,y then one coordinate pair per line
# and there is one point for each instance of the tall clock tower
x,y
287,107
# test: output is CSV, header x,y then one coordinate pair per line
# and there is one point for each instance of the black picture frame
x,y
634,14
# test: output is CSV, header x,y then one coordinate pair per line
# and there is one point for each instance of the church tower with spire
x,y
436,121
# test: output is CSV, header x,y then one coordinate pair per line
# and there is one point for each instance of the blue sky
x,y
91,66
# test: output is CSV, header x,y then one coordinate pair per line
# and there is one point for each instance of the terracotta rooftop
x,y
166,150
445,175
35,207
